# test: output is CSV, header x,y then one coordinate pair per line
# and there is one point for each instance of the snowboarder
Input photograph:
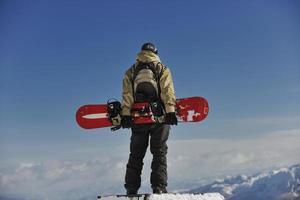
x,y
148,80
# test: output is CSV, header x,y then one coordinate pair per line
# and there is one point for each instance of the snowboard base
x,y
191,109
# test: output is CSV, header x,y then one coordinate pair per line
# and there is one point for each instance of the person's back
x,y
148,80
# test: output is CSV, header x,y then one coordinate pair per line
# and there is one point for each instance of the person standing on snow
x,y
148,80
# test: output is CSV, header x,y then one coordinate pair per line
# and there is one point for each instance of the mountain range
x,y
281,184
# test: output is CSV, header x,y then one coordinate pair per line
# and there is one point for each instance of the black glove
x,y
126,121
171,118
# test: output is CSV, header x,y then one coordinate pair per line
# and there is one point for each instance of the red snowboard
x,y
192,109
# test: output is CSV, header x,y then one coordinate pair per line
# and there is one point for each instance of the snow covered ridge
x,y
208,196
282,184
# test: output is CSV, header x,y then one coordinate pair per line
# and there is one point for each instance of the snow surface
x,y
207,196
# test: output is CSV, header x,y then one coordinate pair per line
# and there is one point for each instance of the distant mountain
x,y
282,184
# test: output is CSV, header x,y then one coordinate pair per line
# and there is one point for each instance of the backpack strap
x,y
159,71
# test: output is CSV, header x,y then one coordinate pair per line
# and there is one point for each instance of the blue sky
x,y
243,56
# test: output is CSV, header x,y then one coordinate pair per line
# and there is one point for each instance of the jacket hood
x,y
147,56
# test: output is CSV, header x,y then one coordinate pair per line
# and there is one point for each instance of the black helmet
x,y
150,47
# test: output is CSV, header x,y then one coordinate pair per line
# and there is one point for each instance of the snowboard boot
x,y
159,190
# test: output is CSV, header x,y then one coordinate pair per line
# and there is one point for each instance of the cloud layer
x,y
191,164
220,157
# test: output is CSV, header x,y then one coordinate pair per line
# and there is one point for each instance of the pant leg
x,y
138,147
158,146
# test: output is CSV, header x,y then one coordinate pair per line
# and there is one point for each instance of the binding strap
x,y
114,110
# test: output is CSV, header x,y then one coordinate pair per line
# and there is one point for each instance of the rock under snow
x,y
207,196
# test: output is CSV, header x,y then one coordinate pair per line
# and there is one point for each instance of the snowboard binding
x,y
114,110
158,111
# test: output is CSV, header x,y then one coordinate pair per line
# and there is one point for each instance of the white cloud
x,y
190,163
61,179
204,158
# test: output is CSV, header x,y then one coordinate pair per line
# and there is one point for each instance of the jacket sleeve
x,y
127,94
167,91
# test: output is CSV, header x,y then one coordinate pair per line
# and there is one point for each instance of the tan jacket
x,y
166,84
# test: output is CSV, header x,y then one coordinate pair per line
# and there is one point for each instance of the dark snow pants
x,y
158,134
